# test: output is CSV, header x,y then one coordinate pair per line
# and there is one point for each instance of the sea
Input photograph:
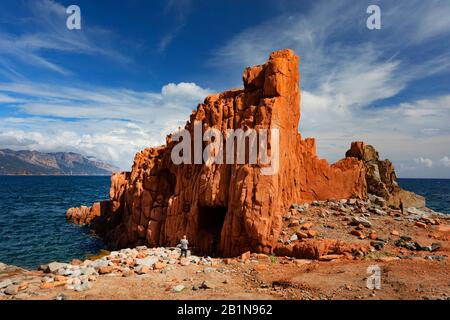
x,y
33,226
34,230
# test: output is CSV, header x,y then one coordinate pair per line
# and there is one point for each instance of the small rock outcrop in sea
x,y
227,209
85,215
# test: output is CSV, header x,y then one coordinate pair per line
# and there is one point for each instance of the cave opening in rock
x,y
210,223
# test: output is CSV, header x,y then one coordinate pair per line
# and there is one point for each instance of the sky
x,y
136,69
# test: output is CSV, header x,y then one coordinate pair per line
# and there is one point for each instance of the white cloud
x,y
400,132
110,124
183,91
445,161
346,69
124,104
425,161
8,99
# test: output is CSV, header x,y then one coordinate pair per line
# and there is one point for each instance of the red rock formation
x,y
234,204
85,215
316,248
381,178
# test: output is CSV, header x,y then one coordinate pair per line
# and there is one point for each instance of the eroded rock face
x,y
229,208
381,178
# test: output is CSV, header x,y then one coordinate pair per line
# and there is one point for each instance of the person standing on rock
x,y
184,247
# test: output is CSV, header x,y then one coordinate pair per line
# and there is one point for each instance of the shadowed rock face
x,y
229,208
380,174
381,178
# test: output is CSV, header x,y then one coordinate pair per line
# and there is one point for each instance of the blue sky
x,y
136,69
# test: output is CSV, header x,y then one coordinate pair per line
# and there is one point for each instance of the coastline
x,y
325,249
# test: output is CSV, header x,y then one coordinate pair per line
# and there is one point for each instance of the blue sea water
x,y
33,227
436,192
34,231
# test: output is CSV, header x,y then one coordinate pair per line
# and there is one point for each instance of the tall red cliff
x,y
229,208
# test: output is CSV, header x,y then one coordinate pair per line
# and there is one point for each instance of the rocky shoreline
x,y
79,275
346,232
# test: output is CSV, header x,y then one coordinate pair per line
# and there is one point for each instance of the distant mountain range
x,y
55,163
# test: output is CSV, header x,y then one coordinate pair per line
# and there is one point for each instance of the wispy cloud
x,y
178,11
353,82
346,70
111,124
45,32
416,22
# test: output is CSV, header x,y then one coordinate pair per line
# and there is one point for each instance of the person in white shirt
x,y
184,246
